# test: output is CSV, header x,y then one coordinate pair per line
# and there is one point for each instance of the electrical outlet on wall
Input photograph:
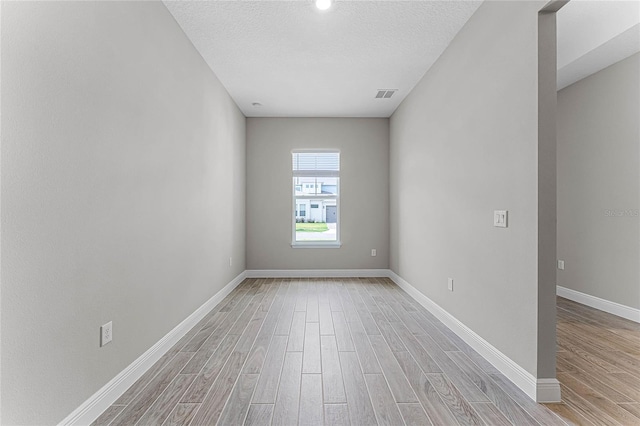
x,y
374,252
106,333
561,265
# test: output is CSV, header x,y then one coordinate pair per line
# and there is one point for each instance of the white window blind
x,y
316,164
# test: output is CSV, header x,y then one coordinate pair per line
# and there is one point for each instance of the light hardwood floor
x,y
335,351
598,366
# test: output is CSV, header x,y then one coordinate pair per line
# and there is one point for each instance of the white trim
x,y
315,273
312,150
336,197
614,308
316,196
316,244
547,389
93,407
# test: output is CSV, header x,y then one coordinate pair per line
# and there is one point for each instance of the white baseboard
x,y
614,308
548,390
315,273
539,390
93,407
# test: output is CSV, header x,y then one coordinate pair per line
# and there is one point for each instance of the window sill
x,y
316,245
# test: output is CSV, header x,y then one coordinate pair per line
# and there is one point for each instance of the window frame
x,y
294,199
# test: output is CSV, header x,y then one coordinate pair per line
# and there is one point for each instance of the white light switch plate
x,y
561,265
500,218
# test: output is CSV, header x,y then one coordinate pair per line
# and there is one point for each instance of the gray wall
x,y
599,184
364,191
463,144
123,179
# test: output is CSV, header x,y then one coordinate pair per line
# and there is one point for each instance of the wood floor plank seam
x,y
237,406
181,414
311,409
147,377
284,393
279,302
386,376
495,394
226,360
537,411
138,406
435,408
249,353
410,355
170,393
461,408
269,373
400,313
359,362
350,376
276,388
401,316
428,361
210,346
396,379
348,332
228,365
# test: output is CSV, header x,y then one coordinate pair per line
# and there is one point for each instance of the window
x,y
316,178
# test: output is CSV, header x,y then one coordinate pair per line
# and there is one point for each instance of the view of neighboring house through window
x,y
316,176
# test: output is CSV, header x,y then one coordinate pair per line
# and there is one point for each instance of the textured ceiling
x,y
595,34
299,62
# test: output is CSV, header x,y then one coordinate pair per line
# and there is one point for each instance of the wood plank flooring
x,y
354,351
598,366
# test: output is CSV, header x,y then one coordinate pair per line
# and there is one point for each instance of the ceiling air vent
x,y
385,93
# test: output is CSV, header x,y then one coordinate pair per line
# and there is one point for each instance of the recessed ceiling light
x,y
323,4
